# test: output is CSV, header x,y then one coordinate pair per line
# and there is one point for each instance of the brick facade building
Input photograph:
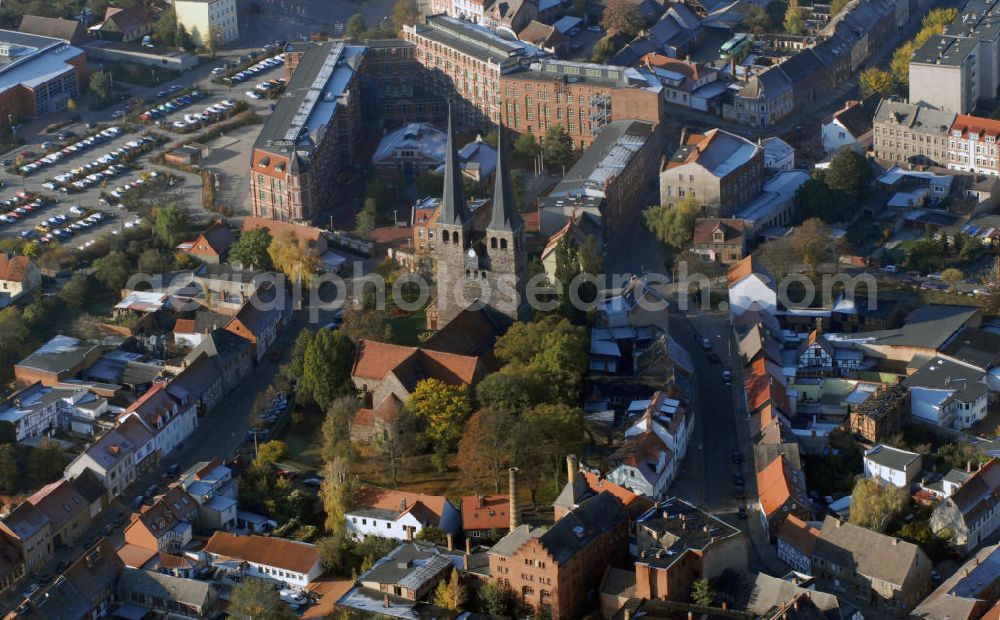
x,y
555,570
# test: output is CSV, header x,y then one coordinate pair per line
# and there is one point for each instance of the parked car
x,y
705,343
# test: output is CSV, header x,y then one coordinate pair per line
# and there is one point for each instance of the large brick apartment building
x,y
555,569
38,75
484,74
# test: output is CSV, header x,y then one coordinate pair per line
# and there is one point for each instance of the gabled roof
x,y
173,507
815,338
799,534
643,452
778,484
155,407
758,341
473,332
979,491
68,30
216,240
890,457
867,552
857,116
383,412
764,389
705,227
271,551
60,501
26,521
399,502
14,268
749,265
485,512
259,311
172,590
542,35
375,360
127,19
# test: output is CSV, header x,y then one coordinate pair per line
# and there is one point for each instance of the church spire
x,y
453,208
504,214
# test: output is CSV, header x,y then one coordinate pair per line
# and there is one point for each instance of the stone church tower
x,y
481,258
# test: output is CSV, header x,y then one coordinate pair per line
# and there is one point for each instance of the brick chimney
x,y
515,502
572,466
451,541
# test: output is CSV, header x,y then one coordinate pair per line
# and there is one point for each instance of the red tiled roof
x,y
184,326
976,125
742,269
635,505
385,410
704,229
775,485
307,233
377,359
494,512
268,551
399,501
14,268
135,556
690,70
764,389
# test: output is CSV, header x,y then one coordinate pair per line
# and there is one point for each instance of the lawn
x,y
406,329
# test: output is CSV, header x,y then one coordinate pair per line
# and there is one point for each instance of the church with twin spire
x,y
480,257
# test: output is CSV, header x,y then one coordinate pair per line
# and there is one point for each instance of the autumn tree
x,y
603,50
674,226
549,344
451,594
557,147
354,27
899,66
404,13
337,493
813,241
326,368
443,408
251,249
953,277
294,257
364,323
622,17
336,429
794,19
990,279
876,81
394,438
256,599
484,452
757,20
875,505
836,6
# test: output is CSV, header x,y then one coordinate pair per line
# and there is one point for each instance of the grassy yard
x,y
406,329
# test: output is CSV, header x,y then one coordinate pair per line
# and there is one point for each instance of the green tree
x,y
816,199
269,453
794,19
876,81
875,505
674,226
255,599
45,463
547,345
444,409
495,598
484,453
557,147
326,368
431,533
165,29
15,338
567,268
250,250
10,473
100,88
813,241
850,172
526,146
545,435
450,594
171,225
366,219
355,27
702,593
925,255
622,17
404,13
336,430
430,184
182,39
154,261
515,389
74,292
113,270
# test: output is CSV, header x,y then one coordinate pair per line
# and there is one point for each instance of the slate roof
x,y
594,516
68,30
60,501
890,457
704,228
165,587
857,116
410,565
977,494
220,344
974,346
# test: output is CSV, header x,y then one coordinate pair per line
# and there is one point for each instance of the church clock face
x,y
471,253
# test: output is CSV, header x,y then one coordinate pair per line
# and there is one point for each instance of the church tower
x,y
479,259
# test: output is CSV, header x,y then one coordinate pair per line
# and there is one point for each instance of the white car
x,y
253,95
118,114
